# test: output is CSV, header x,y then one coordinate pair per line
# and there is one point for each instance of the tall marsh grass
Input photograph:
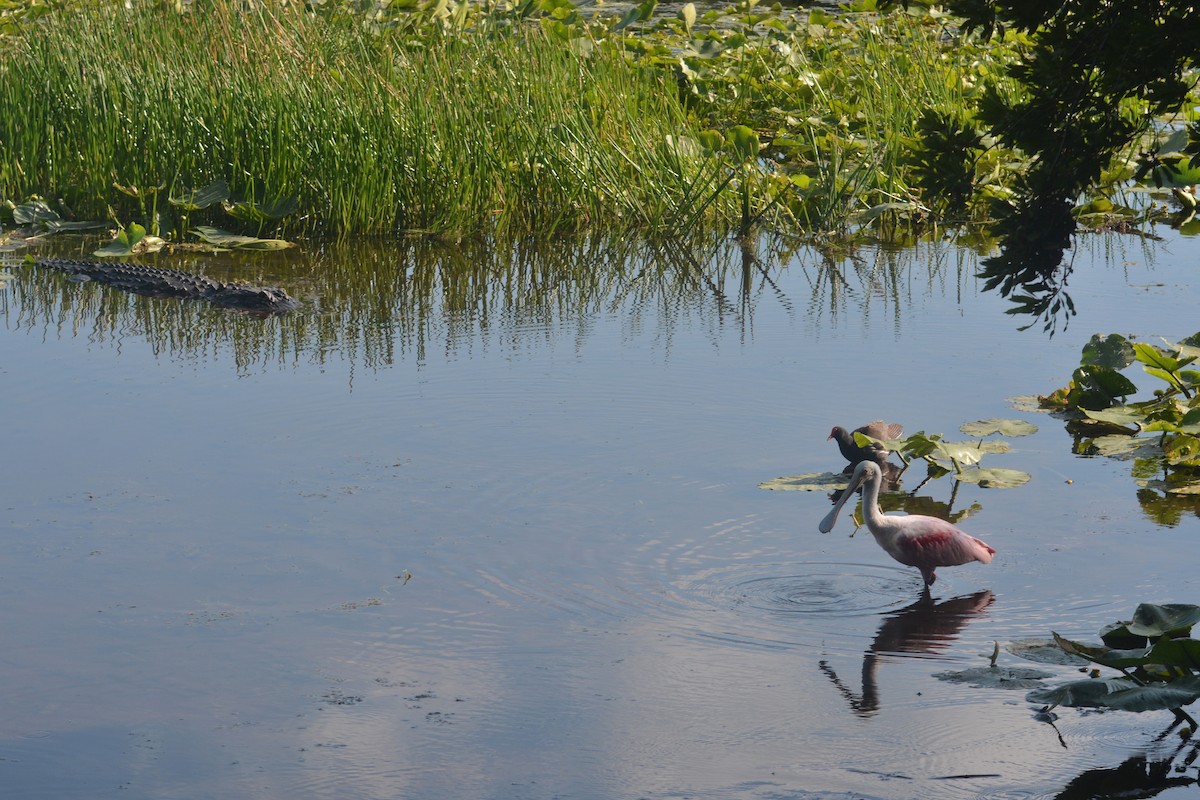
x,y
370,132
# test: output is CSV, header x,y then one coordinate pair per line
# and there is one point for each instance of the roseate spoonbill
x,y
913,539
854,453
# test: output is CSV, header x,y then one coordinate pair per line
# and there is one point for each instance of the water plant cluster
x,y
1157,657
446,117
1160,434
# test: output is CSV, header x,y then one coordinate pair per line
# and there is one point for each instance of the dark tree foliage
x,y
1087,58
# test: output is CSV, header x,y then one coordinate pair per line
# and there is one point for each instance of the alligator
x,y
156,282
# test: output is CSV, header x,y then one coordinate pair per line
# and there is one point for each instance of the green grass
x,y
371,132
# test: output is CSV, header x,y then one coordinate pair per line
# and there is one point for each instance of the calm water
x,y
488,525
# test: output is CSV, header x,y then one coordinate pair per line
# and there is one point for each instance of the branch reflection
x,y
376,303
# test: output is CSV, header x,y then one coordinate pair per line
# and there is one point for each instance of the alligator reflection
x,y
378,303
925,627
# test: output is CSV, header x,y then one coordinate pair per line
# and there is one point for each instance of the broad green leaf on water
x,y
1184,653
1113,351
920,445
198,199
960,452
995,446
1156,697
1125,447
1120,693
1089,693
1104,380
743,141
1026,402
1155,620
33,212
809,482
711,140
878,210
1125,416
125,242
996,677
1156,357
249,210
993,477
1004,427
1188,347
220,238
62,226
1100,654
1043,651
631,16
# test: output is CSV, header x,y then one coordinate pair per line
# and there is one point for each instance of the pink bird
x,y
913,539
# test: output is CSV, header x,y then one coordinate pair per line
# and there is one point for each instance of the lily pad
x,y
221,238
1043,651
1026,402
993,477
809,482
1126,447
1004,427
1120,693
198,199
1113,351
1155,620
249,210
959,452
997,677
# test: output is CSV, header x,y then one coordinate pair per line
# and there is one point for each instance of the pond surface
x,y
482,524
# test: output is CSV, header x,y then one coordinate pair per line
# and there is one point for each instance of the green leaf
x,y
1125,447
993,477
1117,415
809,482
1042,651
1156,697
249,210
1156,357
1099,654
1152,620
1089,693
1105,381
688,13
198,199
961,453
1004,427
33,212
1113,351
220,238
1182,653
743,141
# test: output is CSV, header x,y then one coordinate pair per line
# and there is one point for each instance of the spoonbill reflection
x,y
916,540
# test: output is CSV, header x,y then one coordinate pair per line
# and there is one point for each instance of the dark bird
x,y
855,453
913,539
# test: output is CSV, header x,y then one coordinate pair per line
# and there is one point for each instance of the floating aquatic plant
x,y
1160,434
1158,662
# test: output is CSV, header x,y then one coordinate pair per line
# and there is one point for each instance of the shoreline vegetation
x,y
432,117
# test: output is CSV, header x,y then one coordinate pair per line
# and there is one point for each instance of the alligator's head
x,y
253,298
